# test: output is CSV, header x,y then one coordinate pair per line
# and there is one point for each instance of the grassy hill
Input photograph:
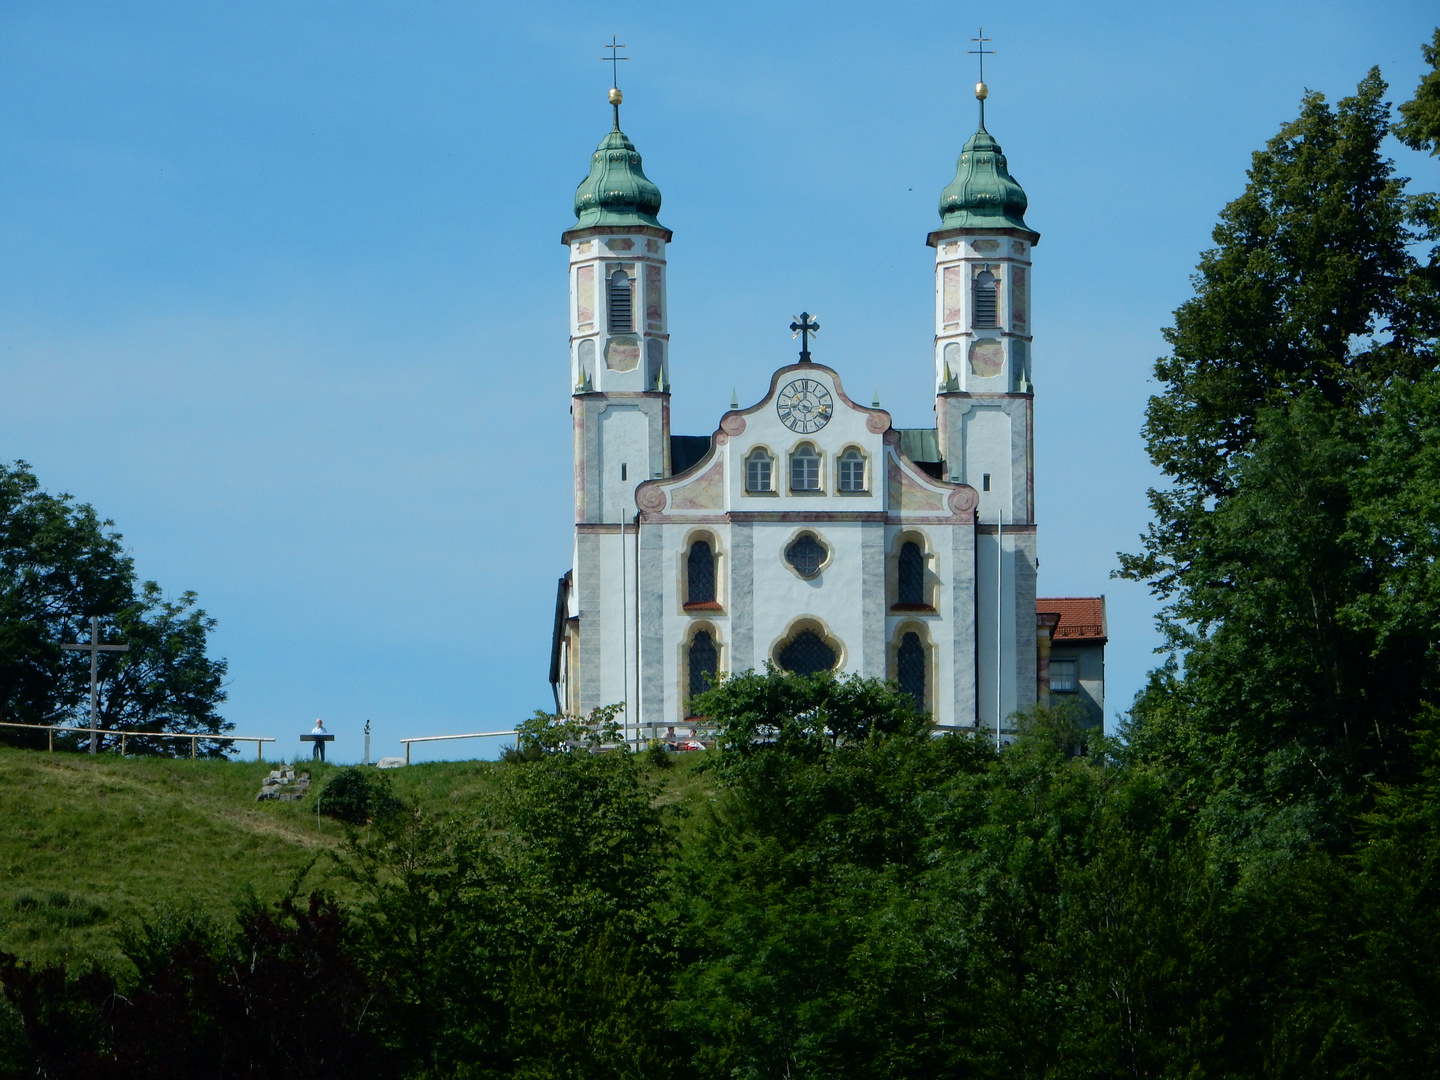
x,y
89,843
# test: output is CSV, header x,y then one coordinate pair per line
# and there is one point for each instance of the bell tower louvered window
x,y
987,299
704,662
910,577
700,574
621,306
910,667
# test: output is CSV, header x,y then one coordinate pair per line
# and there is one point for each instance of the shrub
x,y
358,795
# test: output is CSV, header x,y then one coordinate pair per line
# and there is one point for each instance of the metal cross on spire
x,y
981,90
803,327
94,648
981,52
614,58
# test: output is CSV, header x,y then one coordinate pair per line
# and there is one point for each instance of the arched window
x,y
700,574
759,472
807,654
621,305
987,299
805,469
910,576
852,471
806,554
910,667
704,662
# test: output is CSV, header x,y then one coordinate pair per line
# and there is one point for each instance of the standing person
x,y
319,729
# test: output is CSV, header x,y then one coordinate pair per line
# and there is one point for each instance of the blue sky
x,y
282,292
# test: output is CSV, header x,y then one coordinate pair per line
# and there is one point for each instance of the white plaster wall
x,y
677,623
624,440
987,444
962,253
847,427
985,622
616,622
833,596
940,625
602,253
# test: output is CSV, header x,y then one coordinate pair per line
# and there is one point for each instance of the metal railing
x,y
444,738
258,740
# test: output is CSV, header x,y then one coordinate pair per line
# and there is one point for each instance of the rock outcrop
x,y
284,785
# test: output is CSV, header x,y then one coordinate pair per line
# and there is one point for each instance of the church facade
x,y
806,530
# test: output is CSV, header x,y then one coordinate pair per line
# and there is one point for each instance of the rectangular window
x,y
1064,676
805,471
757,473
852,472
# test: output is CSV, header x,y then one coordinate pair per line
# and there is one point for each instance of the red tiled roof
x,y
1082,618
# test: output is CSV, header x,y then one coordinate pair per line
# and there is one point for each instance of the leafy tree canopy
x,y
61,564
1296,542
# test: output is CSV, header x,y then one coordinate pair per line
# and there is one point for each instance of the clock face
x,y
804,406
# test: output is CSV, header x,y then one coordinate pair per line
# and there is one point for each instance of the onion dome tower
x,y
982,273
984,405
619,342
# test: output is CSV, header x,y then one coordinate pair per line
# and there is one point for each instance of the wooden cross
x,y
94,648
804,326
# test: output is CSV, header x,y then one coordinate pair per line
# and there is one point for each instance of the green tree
x,y
1294,540
1419,126
436,929
1311,285
60,564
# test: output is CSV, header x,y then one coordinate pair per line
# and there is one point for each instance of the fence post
x,y
122,744
192,747
51,733
259,750
407,753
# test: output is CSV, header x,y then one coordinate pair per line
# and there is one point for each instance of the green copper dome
x,y
617,191
983,195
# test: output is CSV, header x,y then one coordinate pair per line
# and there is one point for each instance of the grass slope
x,y
90,843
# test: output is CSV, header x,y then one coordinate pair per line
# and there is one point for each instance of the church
x,y
807,531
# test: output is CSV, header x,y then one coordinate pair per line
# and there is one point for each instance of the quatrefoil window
x,y
806,554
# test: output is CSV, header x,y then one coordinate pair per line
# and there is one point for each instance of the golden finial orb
x,y
615,96
982,91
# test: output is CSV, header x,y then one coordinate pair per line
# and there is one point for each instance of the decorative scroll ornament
x,y
964,499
